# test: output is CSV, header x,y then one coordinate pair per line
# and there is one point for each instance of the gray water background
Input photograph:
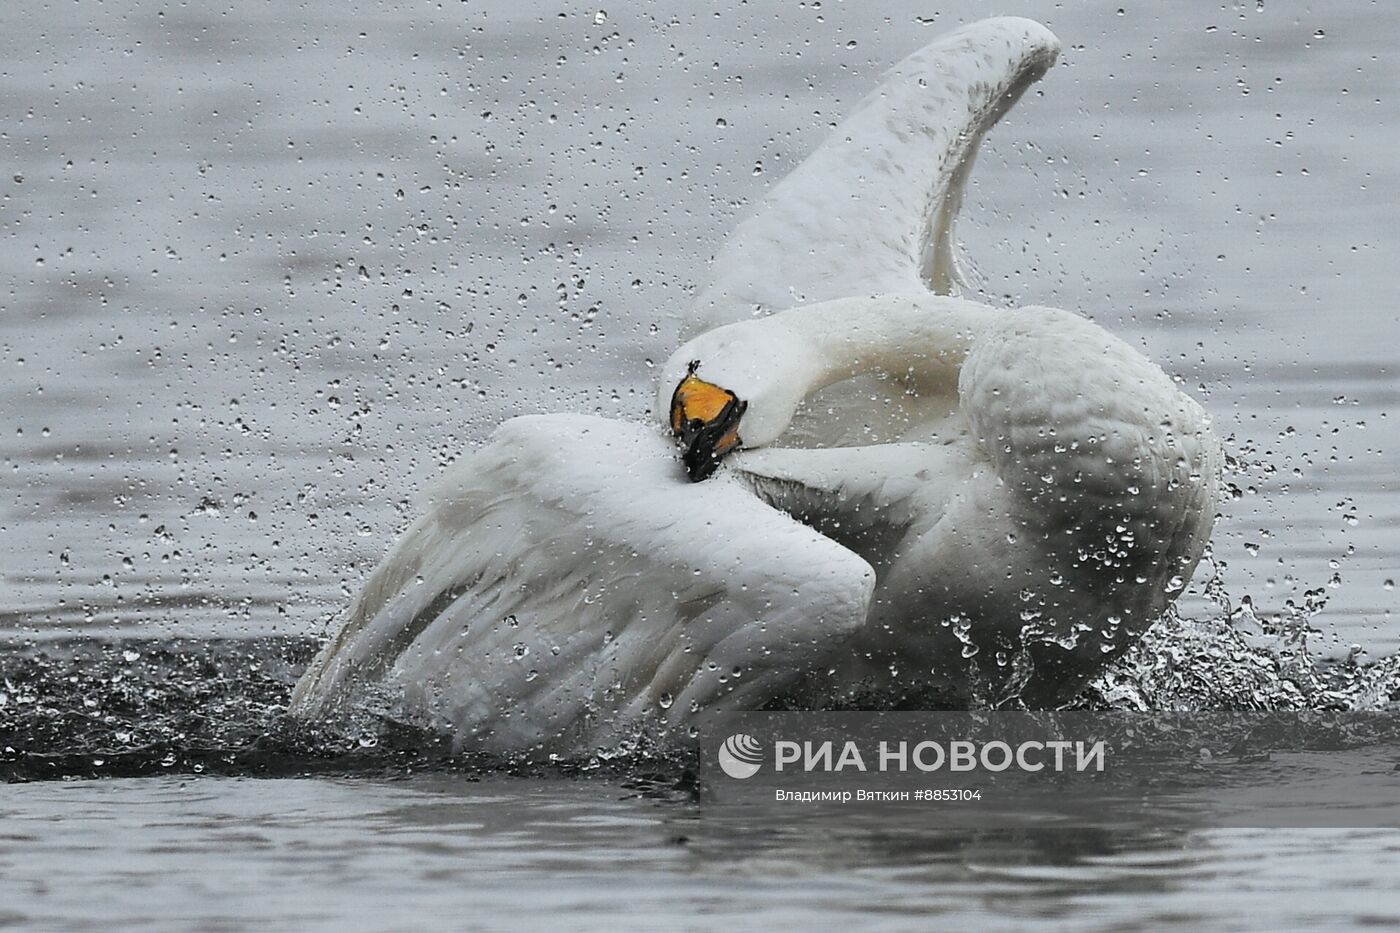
x,y
434,853
266,268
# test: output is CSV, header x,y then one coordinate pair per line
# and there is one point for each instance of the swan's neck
x,y
918,337
782,359
773,363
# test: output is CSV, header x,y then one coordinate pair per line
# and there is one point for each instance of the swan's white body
x,y
980,504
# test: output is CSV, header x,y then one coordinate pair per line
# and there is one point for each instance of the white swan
x,y
1026,495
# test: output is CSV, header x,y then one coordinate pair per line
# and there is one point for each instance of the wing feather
x,y
567,585
872,210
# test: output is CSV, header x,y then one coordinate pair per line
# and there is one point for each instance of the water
x,y
453,854
266,270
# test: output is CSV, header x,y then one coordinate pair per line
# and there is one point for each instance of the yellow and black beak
x,y
706,419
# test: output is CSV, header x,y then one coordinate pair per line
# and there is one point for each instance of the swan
x,y
881,488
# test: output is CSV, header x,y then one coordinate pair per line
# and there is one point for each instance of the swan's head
x,y
735,386
705,418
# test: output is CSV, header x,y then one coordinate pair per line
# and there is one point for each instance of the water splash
x,y
90,708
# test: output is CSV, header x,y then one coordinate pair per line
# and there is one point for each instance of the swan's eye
x,y
706,419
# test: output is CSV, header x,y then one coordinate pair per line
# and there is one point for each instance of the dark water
x,y
217,813
264,270
435,852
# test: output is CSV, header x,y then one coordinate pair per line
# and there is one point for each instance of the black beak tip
x,y
700,462
700,440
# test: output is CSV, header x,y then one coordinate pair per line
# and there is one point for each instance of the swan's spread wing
x,y
869,498
871,211
567,583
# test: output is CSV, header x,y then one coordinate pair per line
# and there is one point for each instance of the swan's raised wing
x,y
871,211
567,584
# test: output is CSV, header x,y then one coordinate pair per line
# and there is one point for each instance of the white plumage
x,y
872,210
970,504
568,581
